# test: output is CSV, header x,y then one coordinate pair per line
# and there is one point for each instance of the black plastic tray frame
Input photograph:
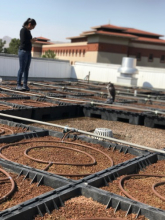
x,y
101,178
153,121
18,106
46,203
13,96
104,143
63,110
38,176
31,132
114,115
86,186
53,101
74,93
55,112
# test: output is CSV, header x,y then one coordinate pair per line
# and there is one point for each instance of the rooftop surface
x,y
56,141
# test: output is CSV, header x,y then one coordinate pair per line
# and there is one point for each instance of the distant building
x,y
37,46
109,44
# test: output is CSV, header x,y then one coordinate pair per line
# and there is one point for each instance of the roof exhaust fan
x,y
127,71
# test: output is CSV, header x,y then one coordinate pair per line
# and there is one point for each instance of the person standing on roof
x,y
24,53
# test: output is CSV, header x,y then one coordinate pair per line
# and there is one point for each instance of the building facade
x,y
109,44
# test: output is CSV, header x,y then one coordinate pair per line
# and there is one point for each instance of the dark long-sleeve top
x,y
25,39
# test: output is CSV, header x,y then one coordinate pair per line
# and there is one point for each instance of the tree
x,y
13,46
2,44
49,54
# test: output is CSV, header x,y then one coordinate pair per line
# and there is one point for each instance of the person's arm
x,y
33,40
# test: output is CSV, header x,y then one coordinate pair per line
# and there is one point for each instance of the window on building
x,y
162,59
83,53
69,52
150,58
72,52
138,56
79,53
76,52
66,52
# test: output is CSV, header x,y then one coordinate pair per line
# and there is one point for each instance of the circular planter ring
x,y
60,163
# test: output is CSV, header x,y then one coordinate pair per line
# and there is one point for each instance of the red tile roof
x,y
109,26
136,31
84,34
42,42
43,38
115,34
152,40
80,36
122,32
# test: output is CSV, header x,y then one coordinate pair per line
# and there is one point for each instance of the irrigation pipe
x,y
121,183
12,185
94,103
153,189
83,132
2,130
94,162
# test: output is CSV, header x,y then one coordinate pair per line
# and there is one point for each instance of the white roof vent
x,y
128,66
105,132
127,72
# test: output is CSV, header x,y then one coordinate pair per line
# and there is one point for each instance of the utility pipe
x,y
83,132
95,103
102,93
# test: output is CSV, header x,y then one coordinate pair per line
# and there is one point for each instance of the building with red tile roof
x,y
37,46
109,44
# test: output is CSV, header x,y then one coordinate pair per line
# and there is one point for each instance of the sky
x,y
59,19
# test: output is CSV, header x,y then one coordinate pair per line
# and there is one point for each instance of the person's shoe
x,y
26,88
19,88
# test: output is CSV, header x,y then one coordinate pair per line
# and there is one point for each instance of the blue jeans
x,y
24,63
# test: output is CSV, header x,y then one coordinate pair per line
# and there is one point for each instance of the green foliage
x,y
13,46
2,43
49,54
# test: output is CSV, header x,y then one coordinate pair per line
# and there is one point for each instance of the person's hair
x,y
29,20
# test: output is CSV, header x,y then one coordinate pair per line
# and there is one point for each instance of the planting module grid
x,y
52,173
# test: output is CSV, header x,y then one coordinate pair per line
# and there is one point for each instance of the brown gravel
x,y
23,190
67,156
32,103
150,137
82,207
141,187
3,95
6,107
7,130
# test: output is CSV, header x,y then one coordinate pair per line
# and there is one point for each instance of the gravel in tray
x,y
23,190
141,187
150,137
82,207
58,154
